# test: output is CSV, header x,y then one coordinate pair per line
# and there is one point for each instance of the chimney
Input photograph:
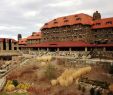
x,y
19,37
96,15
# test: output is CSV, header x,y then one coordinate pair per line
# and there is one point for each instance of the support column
x,y
7,46
57,49
104,49
12,48
1,46
47,49
17,47
86,49
38,49
29,50
70,49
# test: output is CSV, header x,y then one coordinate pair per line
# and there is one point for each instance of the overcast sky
x,y
27,16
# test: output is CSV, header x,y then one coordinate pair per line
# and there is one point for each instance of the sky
x,y
27,16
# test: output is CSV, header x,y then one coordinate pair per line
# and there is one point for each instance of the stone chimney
x,y
96,15
19,37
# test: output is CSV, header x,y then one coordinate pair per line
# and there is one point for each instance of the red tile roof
x,y
69,20
35,35
79,19
67,44
105,45
22,41
61,44
103,23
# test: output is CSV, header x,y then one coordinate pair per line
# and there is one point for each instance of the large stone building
x,y
73,32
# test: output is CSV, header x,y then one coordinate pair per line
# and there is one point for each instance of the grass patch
x,y
4,93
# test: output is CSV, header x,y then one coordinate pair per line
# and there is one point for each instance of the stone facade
x,y
67,33
8,44
103,36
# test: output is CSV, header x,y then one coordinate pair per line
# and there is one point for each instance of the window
x,y
76,15
75,36
64,17
65,20
55,22
95,30
15,43
98,24
109,22
15,48
46,23
78,18
80,36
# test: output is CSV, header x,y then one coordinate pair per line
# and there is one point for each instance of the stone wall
x,y
67,33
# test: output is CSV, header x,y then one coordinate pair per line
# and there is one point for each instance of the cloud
x,y
30,14
65,3
86,11
27,16
11,28
7,36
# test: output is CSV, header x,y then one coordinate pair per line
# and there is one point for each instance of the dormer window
x,y
97,24
66,20
109,22
54,19
33,33
55,22
78,18
64,17
46,23
37,35
76,15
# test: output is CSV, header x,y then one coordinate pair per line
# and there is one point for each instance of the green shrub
x,y
50,72
15,83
